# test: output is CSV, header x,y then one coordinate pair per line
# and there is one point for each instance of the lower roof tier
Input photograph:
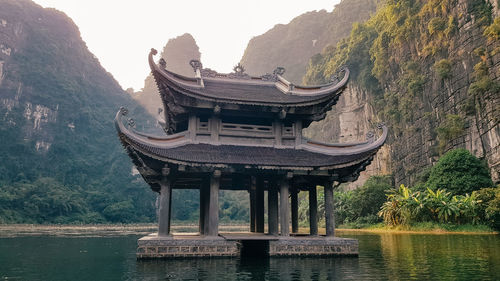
x,y
342,159
260,157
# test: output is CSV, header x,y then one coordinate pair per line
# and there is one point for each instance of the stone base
x,y
154,247
313,246
194,246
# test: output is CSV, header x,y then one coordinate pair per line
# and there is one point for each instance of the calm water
x,y
381,257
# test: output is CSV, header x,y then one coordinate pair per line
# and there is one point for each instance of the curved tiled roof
x,y
251,90
181,150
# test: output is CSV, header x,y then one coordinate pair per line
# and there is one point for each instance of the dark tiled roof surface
x,y
263,93
248,155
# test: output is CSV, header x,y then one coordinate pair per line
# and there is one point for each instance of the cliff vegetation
x,y
61,159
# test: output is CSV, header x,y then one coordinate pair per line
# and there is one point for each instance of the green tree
x,y
368,198
459,172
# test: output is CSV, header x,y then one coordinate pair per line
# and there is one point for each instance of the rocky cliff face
x,y
435,95
429,69
291,45
349,121
177,53
57,106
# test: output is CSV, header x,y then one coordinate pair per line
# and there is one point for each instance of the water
x,y
381,257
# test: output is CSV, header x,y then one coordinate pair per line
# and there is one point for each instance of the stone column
x,y
272,208
164,212
204,203
213,208
259,211
313,211
284,208
253,206
295,210
329,216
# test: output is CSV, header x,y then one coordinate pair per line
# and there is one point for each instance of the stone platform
x,y
237,244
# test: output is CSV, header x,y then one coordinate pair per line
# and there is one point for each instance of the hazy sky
x,y
121,32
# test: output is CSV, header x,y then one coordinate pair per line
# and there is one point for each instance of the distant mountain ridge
x,y
291,45
61,159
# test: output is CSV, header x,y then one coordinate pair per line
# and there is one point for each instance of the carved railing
x,y
233,129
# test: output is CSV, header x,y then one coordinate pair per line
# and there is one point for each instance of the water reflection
x,y
250,269
382,257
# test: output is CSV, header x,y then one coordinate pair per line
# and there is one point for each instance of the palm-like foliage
x,y
404,207
396,211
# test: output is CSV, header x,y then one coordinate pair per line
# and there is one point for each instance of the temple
x,y
240,132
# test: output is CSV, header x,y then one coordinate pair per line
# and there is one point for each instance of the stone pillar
x,y
204,203
253,206
201,221
164,212
295,210
272,208
329,216
213,208
259,211
284,208
313,211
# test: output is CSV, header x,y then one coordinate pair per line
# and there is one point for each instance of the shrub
x,y
436,25
489,209
493,211
459,172
396,210
368,198
443,68
492,32
452,127
404,207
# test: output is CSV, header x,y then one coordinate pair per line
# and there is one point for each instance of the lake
x,y
382,256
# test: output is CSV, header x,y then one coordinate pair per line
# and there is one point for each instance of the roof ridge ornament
x,y
279,70
370,136
196,64
162,63
335,78
274,76
239,69
123,111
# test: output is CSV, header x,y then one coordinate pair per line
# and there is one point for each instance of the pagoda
x,y
240,132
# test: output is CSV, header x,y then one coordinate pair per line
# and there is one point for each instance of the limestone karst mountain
x,y
291,45
60,158
177,53
432,76
429,69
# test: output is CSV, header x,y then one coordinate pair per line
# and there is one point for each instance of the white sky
x,y
121,32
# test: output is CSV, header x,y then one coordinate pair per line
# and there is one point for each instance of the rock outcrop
x,y
177,53
432,75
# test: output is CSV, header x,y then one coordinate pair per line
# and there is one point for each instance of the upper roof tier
x,y
240,92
